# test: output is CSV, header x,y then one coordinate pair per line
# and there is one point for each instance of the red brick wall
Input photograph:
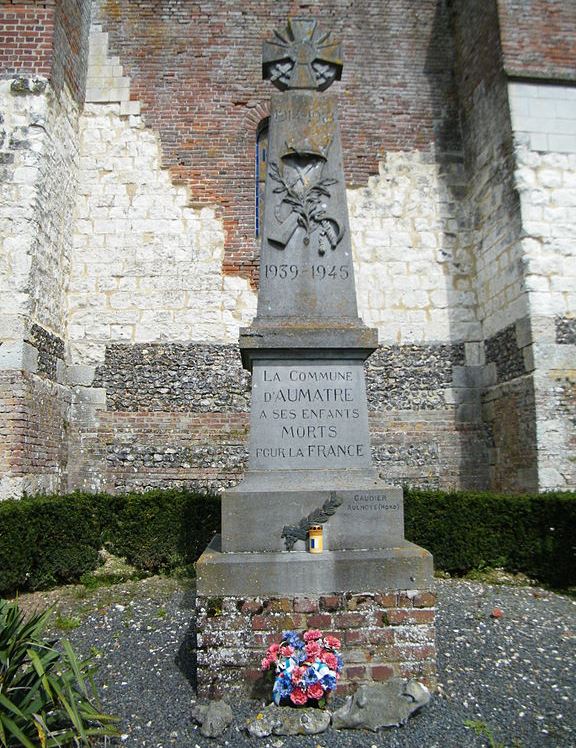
x,y
72,24
48,38
539,37
26,36
196,67
33,424
384,634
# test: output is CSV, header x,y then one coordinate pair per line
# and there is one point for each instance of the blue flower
x,y
310,676
299,656
328,682
282,687
292,638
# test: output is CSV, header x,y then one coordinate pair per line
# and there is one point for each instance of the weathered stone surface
x,y
214,718
566,330
286,720
412,377
503,350
23,86
366,517
197,378
388,704
401,566
50,349
309,415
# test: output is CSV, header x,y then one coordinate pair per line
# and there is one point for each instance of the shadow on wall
x,y
456,255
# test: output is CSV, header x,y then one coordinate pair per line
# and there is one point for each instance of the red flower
x,y
313,650
298,673
286,651
312,634
266,662
332,642
298,696
330,660
315,691
273,650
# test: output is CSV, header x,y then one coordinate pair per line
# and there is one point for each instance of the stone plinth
x,y
298,573
383,634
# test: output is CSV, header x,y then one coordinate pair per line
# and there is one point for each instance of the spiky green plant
x,y
47,697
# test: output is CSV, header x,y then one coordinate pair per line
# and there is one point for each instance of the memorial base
x,y
378,602
383,634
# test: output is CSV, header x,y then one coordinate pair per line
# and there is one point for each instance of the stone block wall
x,y
148,298
129,256
513,132
544,122
156,415
397,73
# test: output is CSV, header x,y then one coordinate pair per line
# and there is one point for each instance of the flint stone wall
x,y
157,415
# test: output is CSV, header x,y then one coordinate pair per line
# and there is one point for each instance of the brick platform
x,y
383,635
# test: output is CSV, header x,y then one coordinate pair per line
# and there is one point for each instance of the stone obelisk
x,y
310,461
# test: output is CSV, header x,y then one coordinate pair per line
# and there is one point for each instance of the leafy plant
x,y
66,623
47,698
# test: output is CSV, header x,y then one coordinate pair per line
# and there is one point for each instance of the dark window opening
x,y
261,163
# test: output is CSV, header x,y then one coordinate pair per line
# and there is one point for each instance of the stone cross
x,y
302,57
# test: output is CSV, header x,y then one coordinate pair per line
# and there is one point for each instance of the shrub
x,y
47,697
159,530
50,540
47,540
465,530
54,540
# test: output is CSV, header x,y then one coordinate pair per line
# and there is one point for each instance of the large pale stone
x,y
387,704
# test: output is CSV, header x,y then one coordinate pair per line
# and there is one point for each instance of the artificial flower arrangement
x,y
307,667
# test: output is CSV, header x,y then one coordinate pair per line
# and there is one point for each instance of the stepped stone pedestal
x,y
310,461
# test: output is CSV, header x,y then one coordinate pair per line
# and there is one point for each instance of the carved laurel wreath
x,y
308,206
292,533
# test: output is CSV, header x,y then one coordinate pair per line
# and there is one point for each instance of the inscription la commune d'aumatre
x,y
309,412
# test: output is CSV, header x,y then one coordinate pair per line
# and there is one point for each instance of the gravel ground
x,y
512,676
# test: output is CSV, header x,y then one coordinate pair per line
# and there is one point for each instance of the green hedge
x,y
52,540
465,531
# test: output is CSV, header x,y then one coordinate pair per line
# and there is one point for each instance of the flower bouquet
x,y
307,667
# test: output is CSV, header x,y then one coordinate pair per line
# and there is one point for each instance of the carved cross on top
x,y
302,56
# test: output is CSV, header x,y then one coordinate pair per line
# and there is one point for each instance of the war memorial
x,y
310,470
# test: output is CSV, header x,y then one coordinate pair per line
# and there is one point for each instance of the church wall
x,y
164,246
544,121
538,39
518,140
40,97
130,253
493,206
196,69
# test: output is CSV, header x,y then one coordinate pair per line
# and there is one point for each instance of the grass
x,y
66,623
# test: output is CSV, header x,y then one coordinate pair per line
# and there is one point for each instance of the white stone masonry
x,y
106,82
146,267
414,271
